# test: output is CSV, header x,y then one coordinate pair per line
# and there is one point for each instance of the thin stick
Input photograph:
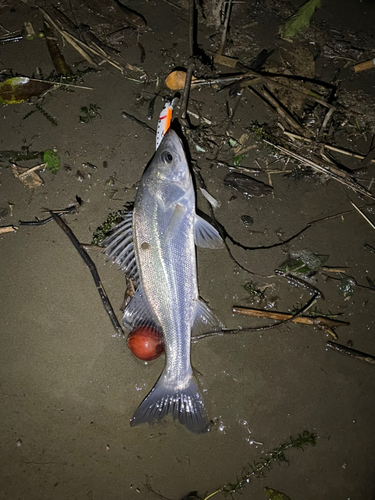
x,y
41,222
191,26
327,146
31,170
62,84
185,95
281,110
226,23
363,215
306,320
318,321
219,333
98,51
89,263
138,122
333,171
250,72
361,356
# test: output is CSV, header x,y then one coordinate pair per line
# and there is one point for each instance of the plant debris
x,y
275,495
8,229
21,88
102,231
300,20
247,185
257,469
348,351
89,113
28,176
303,263
52,160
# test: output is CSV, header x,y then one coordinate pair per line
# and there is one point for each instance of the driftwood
x,y
8,229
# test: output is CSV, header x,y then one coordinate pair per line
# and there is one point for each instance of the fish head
x,y
169,167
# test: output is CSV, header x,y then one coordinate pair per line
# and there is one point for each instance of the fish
x,y
155,246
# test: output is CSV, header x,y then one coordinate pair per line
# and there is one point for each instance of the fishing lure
x,y
165,119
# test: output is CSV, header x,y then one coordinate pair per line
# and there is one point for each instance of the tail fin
x,y
185,404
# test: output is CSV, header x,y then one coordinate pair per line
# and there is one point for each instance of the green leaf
x,y
52,160
300,20
275,495
233,143
303,263
237,160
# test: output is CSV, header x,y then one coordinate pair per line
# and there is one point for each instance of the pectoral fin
x,y
175,222
205,235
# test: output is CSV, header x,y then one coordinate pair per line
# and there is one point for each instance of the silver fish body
x,y
165,229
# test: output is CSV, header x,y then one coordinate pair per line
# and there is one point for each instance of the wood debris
x,y
28,176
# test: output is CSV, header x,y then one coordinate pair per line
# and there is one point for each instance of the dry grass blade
x,y
326,146
82,47
70,39
363,215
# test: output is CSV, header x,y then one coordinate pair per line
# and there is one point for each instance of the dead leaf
x,y
32,180
19,88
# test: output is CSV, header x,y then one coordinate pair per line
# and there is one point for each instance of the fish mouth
x,y
171,139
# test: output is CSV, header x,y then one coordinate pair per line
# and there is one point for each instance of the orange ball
x,y
146,342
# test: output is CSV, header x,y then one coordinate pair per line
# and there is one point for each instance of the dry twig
x,y
326,146
361,356
89,263
326,168
31,170
319,321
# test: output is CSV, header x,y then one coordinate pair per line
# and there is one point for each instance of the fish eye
x,y
167,157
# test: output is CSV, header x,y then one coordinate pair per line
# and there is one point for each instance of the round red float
x,y
146,342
